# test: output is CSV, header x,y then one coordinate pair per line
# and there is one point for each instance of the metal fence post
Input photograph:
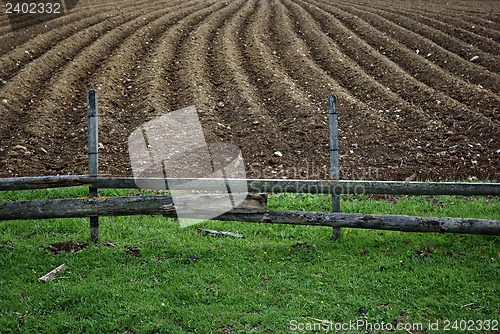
x,y
92,122
334,155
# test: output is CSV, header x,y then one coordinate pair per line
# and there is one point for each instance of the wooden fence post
x,y
92,113
334,155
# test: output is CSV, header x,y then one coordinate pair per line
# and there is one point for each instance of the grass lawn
x,y
278,279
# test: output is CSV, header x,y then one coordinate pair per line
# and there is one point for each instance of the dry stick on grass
x,y
231,234
110,244
53,273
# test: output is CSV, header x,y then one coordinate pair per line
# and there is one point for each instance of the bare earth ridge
x,y
418,84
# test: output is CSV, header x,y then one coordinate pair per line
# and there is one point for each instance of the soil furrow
x,y
329,58
17,59
134,97
119,79
455,40
323,63
20,20
24,89
484,12
279,92
122,72
235,93
283,96
272,79
390,74
419,65
56,32
380,129
63,87
162,85
492,28
429,54
240,96
476,35
440,7
207,89
156,85
12,40
115,140
195,69
484,28
413,91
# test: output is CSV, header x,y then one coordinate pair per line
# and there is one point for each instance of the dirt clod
x,y
66,246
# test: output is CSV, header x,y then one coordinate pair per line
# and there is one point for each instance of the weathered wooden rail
x,y
262,185
253,209
124,206
371,221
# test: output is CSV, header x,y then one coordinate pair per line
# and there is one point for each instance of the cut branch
x,y
231,234
53,273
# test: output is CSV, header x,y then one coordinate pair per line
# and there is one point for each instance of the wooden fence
x,y
254,208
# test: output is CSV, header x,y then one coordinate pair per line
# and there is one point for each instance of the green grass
x,y
276,278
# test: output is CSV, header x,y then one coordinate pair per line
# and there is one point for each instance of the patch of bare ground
x,y
66,246
412,100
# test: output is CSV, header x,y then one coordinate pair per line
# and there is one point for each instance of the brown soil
x,y
66,246
418,84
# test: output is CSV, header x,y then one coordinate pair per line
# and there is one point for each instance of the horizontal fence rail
x,y
123,206
260,185
252,210
372,221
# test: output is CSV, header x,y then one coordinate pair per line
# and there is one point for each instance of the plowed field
x,y
417,82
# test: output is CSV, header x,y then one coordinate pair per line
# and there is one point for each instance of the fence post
x,y
334,155
92,122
